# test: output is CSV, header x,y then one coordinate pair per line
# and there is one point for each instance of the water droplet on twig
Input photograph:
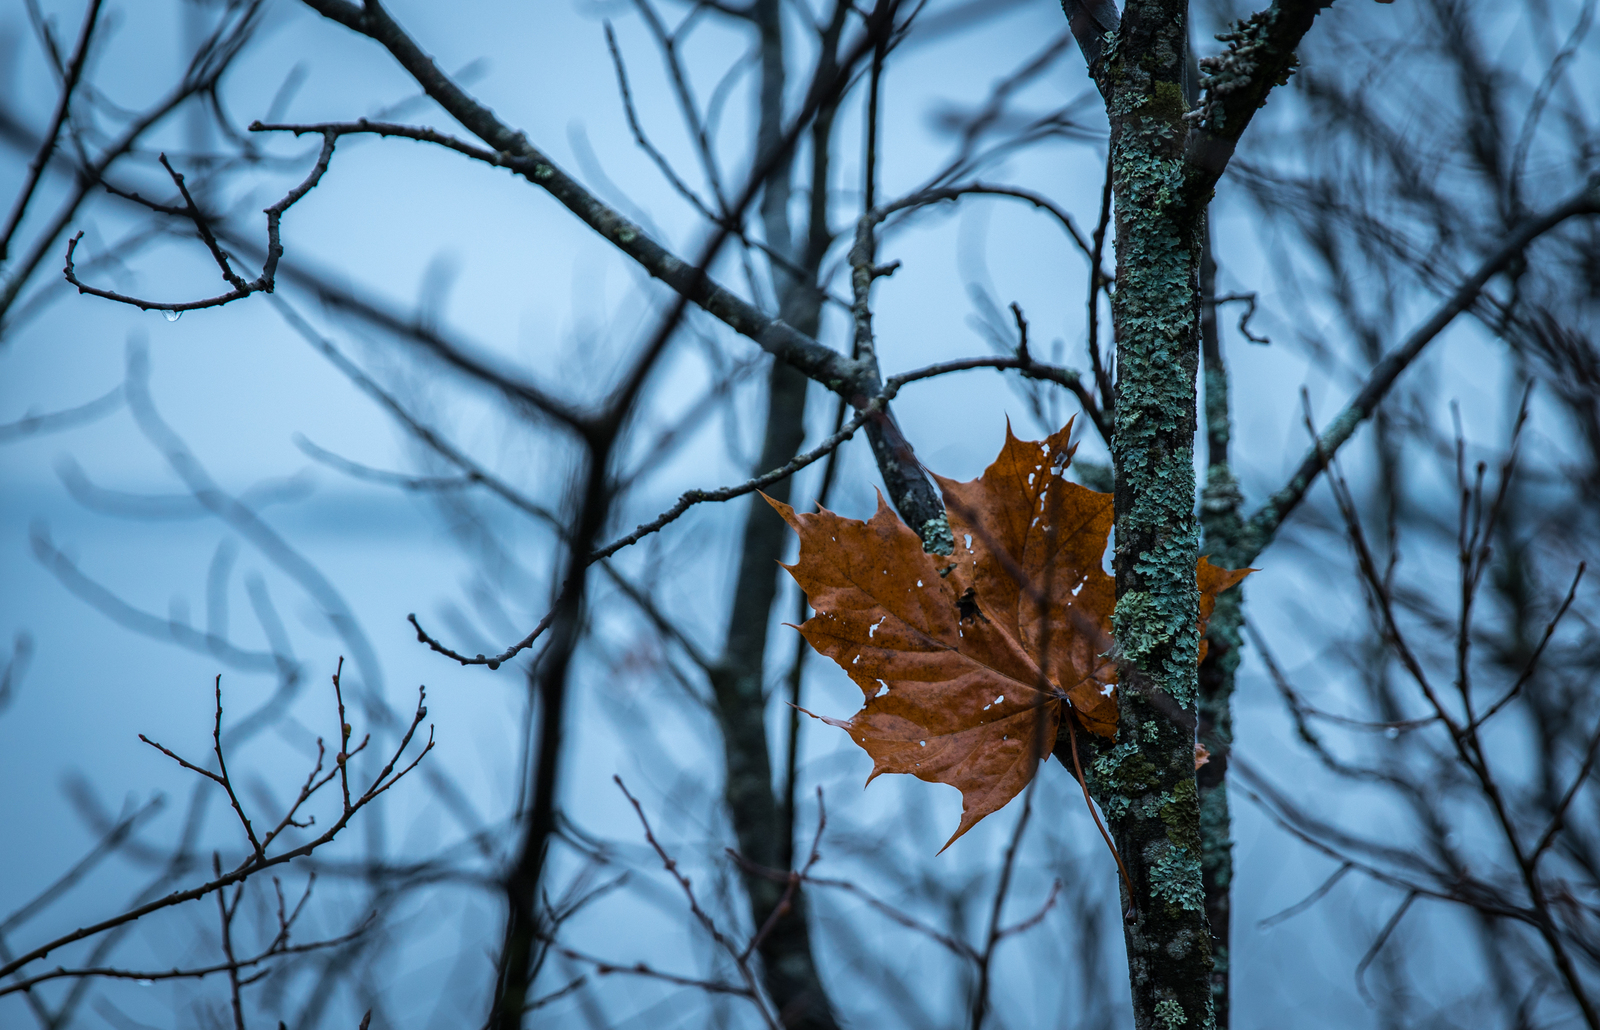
x,y
171,316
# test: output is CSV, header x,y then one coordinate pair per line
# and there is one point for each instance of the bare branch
x,y
74,69
1538,651
276,950
772,335
1378,943
1558,820
741,958
255,863
66,419
264,283
1265,522
954,945
875,407
1235,84
214,56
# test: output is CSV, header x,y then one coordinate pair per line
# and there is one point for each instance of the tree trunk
x,y
1223,526
763,826
1147,783
738,683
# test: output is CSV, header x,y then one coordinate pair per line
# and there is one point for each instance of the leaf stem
x,y
1077,767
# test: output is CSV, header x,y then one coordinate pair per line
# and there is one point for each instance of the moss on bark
x,y
1147,782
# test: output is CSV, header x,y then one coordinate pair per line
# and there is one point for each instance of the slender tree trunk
x,y
1223,527
515,970
763,826
738,683
1147,782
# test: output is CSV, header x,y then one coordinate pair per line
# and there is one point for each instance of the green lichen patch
x,y
1181,814
936,536
1139,631
1158,631
1170,1014
1175,879
1121,775
1217,845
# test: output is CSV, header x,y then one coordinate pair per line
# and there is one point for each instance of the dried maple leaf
x,y
965,661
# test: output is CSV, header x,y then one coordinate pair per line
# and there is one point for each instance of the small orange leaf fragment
x,y
1213,580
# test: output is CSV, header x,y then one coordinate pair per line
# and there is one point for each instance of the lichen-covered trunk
x,y
1217,673
1222,530
1146,782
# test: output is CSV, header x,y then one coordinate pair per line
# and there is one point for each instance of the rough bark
x,y
1172,826
1146,783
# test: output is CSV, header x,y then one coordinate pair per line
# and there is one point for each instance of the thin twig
x,y
1378,943
1309,900
36,167
891,388
740,957
1249,312
1077,766
193,973
792,887
1558,819
954,944
1538,651
253,864
1263,525
980,997
263,283
226,913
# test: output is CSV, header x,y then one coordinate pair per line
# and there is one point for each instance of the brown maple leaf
x,y
965,661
